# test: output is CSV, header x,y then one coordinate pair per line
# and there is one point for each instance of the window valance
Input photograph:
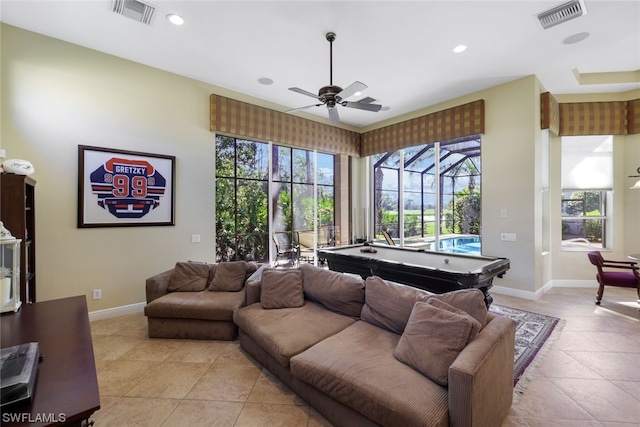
x,y
463,120
589,118
243,120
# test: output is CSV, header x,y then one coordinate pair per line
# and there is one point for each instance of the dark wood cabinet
x,y
18,213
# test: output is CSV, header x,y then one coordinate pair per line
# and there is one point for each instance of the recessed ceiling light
x,y
265,81
460,48
357,94
575,38
175,19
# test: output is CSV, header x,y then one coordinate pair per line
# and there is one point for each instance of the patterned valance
x,y
456,122
243,120
589,118
633,116
550,113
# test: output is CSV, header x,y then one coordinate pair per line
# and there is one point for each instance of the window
x,y
428,196
241,200
299,193
587,181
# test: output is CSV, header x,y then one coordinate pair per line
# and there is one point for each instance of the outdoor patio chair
x,y
629,278
285,248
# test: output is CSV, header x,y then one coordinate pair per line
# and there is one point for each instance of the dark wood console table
x,y
66,390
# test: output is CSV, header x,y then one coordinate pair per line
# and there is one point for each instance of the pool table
x,y
437,272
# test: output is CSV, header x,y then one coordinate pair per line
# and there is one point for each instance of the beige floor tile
x,y
602,399
155,350
117,377
137,411
559,364
613,366
111,347
542,399
577,341
225,382
204,413
269,415
169,380
269,389
631,387
201,351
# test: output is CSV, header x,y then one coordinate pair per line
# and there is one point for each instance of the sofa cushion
x,y
229,276
468,300
356,367
388,304
475,325
286,332
202,305
188,277
336,291
432,340
281,289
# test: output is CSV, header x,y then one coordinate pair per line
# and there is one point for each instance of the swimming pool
x,y
470,245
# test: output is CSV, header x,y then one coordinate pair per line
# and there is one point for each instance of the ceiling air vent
x,y
134,9
562,13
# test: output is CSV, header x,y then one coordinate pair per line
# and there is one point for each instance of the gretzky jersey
x,y
128,188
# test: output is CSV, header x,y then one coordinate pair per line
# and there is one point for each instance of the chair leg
x,y
599,295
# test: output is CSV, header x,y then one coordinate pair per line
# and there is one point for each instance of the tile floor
x,y
588,376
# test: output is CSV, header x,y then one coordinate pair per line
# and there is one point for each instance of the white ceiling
x,y
401,50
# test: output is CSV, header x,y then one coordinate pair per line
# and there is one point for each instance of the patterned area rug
x,y
532,332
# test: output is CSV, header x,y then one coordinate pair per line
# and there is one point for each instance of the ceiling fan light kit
x,y
332,95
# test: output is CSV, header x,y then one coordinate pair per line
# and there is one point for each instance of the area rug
x,y
533,331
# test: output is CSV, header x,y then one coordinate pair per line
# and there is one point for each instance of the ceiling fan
x,y
332,96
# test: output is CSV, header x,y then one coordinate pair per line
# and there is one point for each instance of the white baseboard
x,y
575,284
546,288
116,311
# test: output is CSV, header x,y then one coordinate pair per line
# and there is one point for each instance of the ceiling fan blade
x,y
304,92
303,108
362,106
366,100
333,115
351,90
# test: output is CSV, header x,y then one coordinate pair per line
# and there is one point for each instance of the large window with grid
x,y
428,196
262,189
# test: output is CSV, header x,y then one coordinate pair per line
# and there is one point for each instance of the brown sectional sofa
x,y
340,349
196,300
361,353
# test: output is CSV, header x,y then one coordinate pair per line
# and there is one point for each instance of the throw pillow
x,y
229,276
467,300
339,292
281,289
388,304
475,325
188,277
432,340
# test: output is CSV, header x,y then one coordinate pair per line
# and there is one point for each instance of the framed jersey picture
x,y
119,188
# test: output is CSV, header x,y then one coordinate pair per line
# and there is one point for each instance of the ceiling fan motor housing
x,y
328,92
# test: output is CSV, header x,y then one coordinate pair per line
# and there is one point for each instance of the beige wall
x,y
56,96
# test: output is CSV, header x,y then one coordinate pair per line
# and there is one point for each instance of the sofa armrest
x,y
481,377
252,286
157,286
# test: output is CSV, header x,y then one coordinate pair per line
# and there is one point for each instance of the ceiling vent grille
x,y
134,9
562,13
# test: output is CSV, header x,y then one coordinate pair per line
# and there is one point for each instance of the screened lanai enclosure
x,y
428,196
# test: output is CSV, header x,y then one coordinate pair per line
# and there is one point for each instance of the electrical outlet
x,y
195,238
508,237
97,293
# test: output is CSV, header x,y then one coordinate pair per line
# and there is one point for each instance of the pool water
x,y
470,245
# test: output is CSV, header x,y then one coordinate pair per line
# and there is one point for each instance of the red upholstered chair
x,y
630,278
